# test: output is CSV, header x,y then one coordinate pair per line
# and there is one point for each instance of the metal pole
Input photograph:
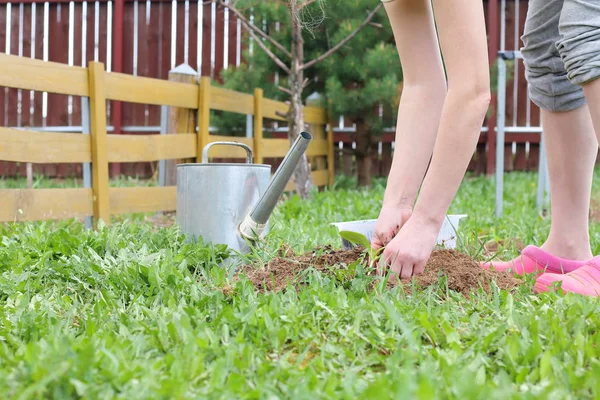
x,y
162,164
87,167
501,111
249,125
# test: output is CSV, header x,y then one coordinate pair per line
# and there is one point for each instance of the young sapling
x,y
361,240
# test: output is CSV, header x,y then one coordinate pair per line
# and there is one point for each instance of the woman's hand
x,y
389,223
409,251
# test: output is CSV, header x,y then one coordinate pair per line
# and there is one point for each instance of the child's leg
x,y
571,134
579,48
571,148
570,142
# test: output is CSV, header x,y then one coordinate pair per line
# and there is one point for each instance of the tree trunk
x,y
363,154
302,175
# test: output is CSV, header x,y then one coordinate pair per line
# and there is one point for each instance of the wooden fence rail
x,y
100,148
521,153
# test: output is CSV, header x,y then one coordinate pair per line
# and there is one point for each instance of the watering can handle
x,y
242,145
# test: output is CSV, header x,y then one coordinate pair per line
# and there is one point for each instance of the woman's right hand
x,y
389,223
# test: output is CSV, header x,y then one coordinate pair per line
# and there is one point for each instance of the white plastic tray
x,y
446,237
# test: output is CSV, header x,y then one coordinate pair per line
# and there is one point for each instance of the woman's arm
x,y
462,33
418,114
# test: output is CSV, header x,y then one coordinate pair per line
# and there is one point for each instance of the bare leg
x,y
586,279
461,27
592,95
578,43
579,28
418,114
422,96
568,132
572,149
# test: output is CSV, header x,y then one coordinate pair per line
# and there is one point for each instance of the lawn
x,y
133,312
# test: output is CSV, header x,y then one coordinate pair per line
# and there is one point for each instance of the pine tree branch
x,y
269,53
343,42
254,28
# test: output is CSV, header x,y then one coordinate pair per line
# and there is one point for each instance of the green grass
x,y
40,182
133,313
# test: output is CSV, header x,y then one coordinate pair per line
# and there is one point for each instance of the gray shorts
x,y
561,51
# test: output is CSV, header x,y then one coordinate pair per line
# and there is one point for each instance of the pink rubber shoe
x,y
584,280
535,260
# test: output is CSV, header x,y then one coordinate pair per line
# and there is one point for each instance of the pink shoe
x,y
535,260
585,280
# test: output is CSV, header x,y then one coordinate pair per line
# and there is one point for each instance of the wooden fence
x,y
100,148
157,35
138,37
521,153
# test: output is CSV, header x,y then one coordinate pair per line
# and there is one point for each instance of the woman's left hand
x,y
407,254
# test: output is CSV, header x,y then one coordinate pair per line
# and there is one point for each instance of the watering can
x,y
230,203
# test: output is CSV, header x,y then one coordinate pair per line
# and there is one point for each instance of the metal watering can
x,y
231,203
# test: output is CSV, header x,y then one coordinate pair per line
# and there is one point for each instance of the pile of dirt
x,y
288,267
462,272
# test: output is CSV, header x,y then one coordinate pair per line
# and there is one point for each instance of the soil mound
x,y
462,272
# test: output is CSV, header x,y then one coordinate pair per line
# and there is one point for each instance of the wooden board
x,y
278,148
99,142
229,100
142,199
320,178
134,148
44,204
3,91
203,116
136,89
206,69
58,32
318,147
32,74
271,109
24,50
44,147
315,115
180,121
194,21
219,42
331,155
258,126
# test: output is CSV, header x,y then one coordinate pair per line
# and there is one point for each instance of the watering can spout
x,y
256,220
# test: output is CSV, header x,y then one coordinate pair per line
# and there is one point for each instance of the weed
x,y
361,240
